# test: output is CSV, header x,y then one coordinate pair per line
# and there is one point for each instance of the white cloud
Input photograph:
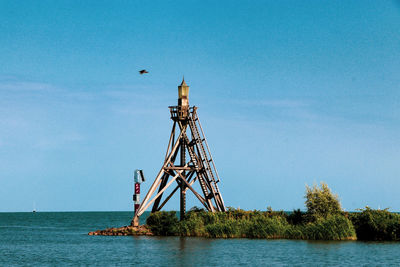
x,y
58,141
273,103
26,86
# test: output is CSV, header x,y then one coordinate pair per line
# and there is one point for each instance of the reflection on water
x,y
182,242
61,238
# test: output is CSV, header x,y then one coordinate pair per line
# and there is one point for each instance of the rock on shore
x,y
125,230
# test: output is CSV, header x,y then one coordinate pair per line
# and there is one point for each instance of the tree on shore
x,y
321,202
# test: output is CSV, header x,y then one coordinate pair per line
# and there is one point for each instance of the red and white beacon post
x,y
138,179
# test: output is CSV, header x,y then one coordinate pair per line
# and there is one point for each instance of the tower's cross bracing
x,y
198,167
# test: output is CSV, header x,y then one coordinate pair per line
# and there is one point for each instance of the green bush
x,y
223,229
297,217
193,225
334,227
321,202
163,223
376,224
267,227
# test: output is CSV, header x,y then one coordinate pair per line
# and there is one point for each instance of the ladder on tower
x,y
209,170
198,167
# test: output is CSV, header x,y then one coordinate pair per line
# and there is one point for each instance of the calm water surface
x,y
60,238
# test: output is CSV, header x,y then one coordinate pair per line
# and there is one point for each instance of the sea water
x,y
60,238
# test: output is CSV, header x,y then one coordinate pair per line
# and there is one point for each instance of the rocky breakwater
x,y
125,230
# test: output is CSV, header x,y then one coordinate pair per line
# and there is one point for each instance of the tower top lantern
x,y
183,92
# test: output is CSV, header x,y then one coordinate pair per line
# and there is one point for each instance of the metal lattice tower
x,y
198,167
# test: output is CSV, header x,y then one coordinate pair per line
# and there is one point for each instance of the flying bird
x,y
143,72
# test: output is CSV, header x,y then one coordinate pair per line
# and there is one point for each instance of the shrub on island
x,y
376,225
333,227
163,223
321,202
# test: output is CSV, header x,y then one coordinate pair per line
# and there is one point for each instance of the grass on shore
x,y
369,224
250,224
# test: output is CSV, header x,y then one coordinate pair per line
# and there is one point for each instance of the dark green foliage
x,y
376,224
297,217
163,222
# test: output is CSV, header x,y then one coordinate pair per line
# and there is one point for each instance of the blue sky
x,y
289,93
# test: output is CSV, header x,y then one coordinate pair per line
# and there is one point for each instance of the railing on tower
x,y
178,112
